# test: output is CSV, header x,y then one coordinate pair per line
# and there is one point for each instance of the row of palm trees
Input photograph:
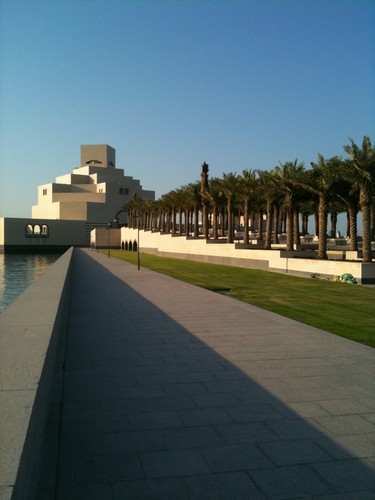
x,y
284,196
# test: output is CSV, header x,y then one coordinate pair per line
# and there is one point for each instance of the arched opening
x,y
130,246
94,162
135,246
122,245
126,245
36,230
29,230
44,231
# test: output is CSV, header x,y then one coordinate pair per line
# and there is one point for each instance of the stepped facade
x,y
94,192
92,196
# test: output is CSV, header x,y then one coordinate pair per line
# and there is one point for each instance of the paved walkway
x,y
174,392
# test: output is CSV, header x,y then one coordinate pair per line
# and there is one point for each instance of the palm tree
x,y
166,214
230,184
361,172
172,199
216,198
246,191
135,209
149,208
323,177
194,197
271,195
290,176
205,199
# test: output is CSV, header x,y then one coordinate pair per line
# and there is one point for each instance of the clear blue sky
x,y
171,84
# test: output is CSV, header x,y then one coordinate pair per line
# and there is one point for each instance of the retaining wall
x,y
30,330
276,260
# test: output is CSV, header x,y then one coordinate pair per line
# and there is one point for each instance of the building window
x,y
121,191
44,192
126,191
94,162
44,232
36,231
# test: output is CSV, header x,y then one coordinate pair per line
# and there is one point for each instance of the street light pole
x,y
138,256
109,238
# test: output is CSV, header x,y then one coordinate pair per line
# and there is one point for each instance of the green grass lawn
x,y
343,309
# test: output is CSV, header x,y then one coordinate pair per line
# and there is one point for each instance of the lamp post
x,y
137,218
109,224
138,256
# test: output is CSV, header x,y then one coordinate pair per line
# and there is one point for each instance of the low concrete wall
x,y
30,329
281,261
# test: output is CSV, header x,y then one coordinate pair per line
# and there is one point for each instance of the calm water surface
x,y
18,271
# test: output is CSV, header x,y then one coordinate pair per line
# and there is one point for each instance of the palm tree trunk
x,y
305,222
205,219
222,222
260,226
230,222
353,231
323,216
365,202
246,223
187,222
196,221
180,230
284,222
251,222
316,222
296,235
214,223
267,242
347,224
289,229
333,224
276,224
173,221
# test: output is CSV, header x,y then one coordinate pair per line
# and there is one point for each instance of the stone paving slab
x,y
175,392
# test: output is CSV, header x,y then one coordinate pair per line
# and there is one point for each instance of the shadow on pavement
x,y
152,410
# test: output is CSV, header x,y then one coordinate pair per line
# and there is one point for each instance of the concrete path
x,y
174,392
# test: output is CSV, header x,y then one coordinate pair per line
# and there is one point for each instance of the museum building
x,y
90,197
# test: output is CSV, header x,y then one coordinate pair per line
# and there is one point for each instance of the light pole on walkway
x,y
137,218
138,255
109,225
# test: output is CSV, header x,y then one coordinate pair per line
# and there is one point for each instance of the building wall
x,y
74,179
2,232
46,207
73,210
105,238
14,234
100,152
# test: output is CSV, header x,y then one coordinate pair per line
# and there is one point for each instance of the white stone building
x,y
94,194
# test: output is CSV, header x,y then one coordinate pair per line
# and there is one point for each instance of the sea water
x,y
18,271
